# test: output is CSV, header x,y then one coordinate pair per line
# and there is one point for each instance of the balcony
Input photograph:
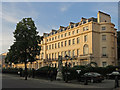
x,y
104,56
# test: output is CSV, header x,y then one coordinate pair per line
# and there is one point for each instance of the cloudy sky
x,y
50,15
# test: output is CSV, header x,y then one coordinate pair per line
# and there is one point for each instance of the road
x,y
14,81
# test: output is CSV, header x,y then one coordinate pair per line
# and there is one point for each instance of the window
x,y
65,34
61,35
49,47
65,52
61,44
69,42
103,37
69,53
55,55
85,38
78,40
104,64
49,39
52,55
85,28
52,38
61,53
78,31
55,37
103,51
69,33
58,54
58,36
49,56
85,49
52,46
55,45
73,32
65,43
73,54
73,41
103,28
77,52
58,45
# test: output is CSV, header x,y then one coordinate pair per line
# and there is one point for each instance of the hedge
x,y
44,72
10,70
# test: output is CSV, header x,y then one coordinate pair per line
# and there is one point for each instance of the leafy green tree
x,y
26,45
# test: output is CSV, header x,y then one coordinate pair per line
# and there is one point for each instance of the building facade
x,y
92,40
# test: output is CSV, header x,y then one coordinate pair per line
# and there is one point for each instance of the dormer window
x,y
84,22
61,30
72,26
55,32
65,29
76,24
89,20
52,33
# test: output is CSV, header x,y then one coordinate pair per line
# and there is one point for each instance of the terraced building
x,y
90,41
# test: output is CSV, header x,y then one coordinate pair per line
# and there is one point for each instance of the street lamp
x,y
66,56
66,71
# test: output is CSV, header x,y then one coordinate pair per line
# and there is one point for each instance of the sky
x,y
49,15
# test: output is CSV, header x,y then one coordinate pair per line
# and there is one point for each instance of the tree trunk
x,y
25,71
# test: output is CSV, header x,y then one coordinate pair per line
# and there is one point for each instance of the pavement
x,y
15,81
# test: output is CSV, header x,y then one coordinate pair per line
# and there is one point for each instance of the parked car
x,y
92,77
113,74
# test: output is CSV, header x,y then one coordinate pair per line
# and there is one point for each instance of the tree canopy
x,y
25,47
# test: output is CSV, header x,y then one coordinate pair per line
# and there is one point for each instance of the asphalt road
x,y
14,81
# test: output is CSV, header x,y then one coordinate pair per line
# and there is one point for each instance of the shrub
x,y
45,71
10,70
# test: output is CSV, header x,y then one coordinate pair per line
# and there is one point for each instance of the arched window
x,y
85,49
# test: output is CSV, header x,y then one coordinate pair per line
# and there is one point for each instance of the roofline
x,y
103,13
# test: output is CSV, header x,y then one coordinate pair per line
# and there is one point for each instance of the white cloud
x,y
65,7
9,18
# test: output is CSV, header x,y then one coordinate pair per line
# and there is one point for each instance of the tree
x,y
26,45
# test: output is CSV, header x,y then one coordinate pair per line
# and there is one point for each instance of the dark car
x,y
92,77
113,75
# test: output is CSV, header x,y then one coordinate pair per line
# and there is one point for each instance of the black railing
x,y
104,56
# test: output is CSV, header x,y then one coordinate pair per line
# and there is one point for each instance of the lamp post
x,y
66,56
66,69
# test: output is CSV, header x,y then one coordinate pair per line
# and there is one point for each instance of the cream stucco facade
x,y
90,40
